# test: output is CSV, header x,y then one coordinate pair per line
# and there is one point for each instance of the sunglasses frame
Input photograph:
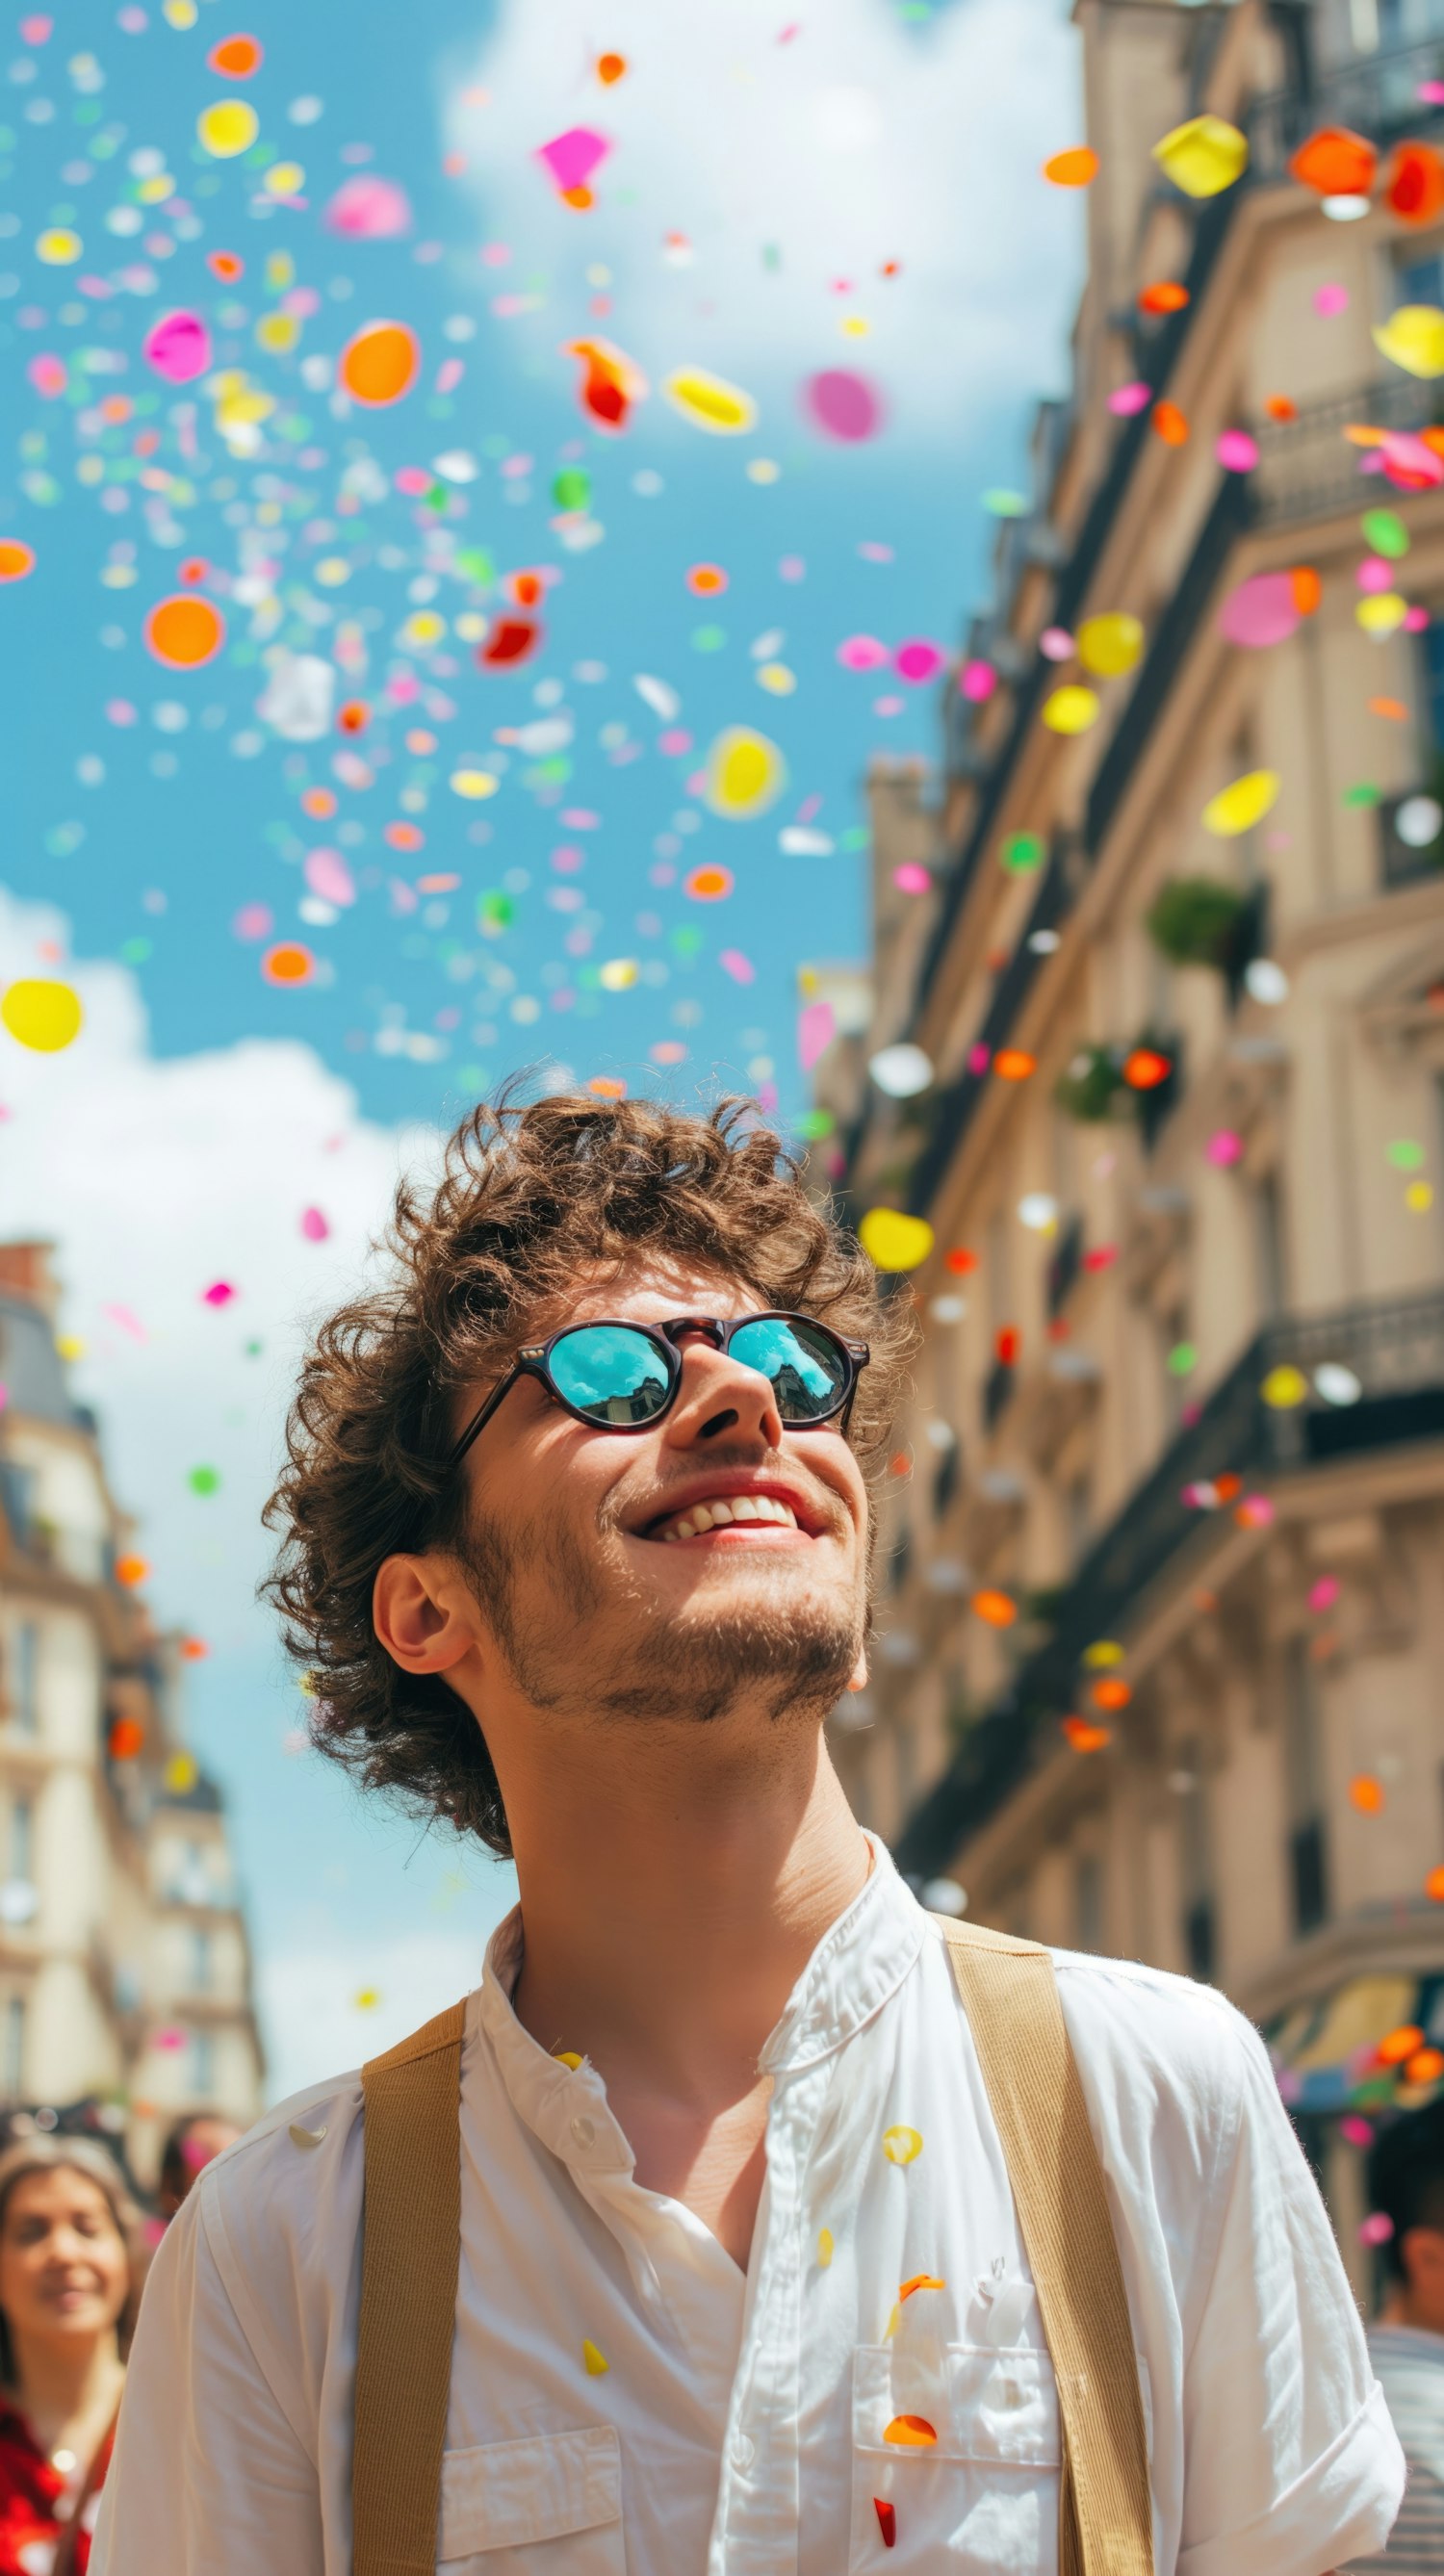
x,y
535,1361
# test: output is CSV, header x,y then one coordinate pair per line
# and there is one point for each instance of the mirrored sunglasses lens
x,y
807,1370
610,1373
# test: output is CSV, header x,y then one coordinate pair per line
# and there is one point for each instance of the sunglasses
x,y
624,1377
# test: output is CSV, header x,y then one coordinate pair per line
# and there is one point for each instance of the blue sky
x,y
779,197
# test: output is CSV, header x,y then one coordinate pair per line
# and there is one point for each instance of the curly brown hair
x,y
531,1196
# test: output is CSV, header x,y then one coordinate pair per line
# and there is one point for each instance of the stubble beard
x,y
557,1620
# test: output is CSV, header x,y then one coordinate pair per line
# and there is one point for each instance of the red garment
x,y
30,2489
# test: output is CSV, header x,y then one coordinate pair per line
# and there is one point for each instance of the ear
x,y
421,1614
859,1671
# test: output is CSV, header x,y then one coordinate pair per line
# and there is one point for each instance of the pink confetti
x,y
979,1057
912,879
253,921
1415,620
676,742
178,347
1056,644
327,875
816,1028
1236,452
413,480
49,375
1324,1593
1374,575
740,968
1356,2132
1224,1148
1377,2228
843,405
1261,611
1330,299
36,31
977,681
792,568
219,1293
918,661
314,1225
572,157
369,209
862,653
128,1321
1127,399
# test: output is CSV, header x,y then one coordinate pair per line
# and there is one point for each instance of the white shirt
x,y
739,2425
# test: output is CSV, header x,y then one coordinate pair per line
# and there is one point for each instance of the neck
x,y
672,1895
64,2380
1401,2308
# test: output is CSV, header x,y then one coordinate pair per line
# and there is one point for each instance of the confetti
x,y
380,363
745,774
1109,644
1335,162
185,631
886,2520
227,128
842,405
178,347
910,2432
595,2362
1071,709
893,1241
1203,156
16,559
1244,802
1075,168
41,1015
902,2145
611,385
709,402
995,1609
1413,338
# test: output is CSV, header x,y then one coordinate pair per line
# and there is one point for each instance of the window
x,y
25,1677
22,1838
1270,1264
1304,1790
203,2064
1088,1900
12,2069
1195,1842
202,1963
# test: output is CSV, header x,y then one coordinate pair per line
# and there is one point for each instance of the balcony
x,y
1308,1876
998,1389
1376,94
1065,1265
1308,470
1396,1354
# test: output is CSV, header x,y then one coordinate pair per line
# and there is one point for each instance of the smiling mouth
x,y
737,1516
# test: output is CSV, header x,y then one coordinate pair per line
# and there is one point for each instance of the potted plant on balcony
x,y
1090,1083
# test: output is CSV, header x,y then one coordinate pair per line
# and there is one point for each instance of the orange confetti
x,y
115,408
288,963
705,579
1084,1735
996,1609
125,1739
1007,1343
523,589
194,569
604,1086
1110,1692
961,1260
920,2281
319,803
611,383
910,2432
1170,423
16,559
710,885
184,631
1014,1064
379,365
225,264
404,836
354,716
900,1464
194,1650
1434,1886
1280,407
1307,588
1366,1793
580,198
236,57
1335,162
1415,190
438,884
1393,708
1145,1069
1398,2044
611,67
1165,295
131,1569
1424,2067
1074,168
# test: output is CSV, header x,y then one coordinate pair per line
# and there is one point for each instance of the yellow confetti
x,y
901,2145
58,247
894,2321
227,127
618,974
1413,338
893,1241
777,679
596,2361
42,1015
1103,1652
910,2432
1381,612
473,783
1244,802
181,1771
1284,1387
709,402
1109,645
1203,156
824,2247
277,332
367,1999
745,774
284,179
1419,1196
567,2057
1071,709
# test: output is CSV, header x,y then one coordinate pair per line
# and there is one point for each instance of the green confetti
x,y
204,1480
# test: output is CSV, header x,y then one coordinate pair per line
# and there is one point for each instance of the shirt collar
x,y
857,1966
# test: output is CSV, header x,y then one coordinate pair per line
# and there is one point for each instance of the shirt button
x,y
744,2451
583,2129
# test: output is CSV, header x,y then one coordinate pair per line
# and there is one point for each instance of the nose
x,y
719,1396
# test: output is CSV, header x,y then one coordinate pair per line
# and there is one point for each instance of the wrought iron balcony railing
x,y
1404,862
1395,1353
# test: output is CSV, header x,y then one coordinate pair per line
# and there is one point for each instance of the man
x,y
1406,2344
577,1538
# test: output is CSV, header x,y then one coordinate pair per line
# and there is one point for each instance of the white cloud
x,y
788,165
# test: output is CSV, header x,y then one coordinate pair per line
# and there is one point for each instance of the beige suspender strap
x,y
1010,1995
411,2240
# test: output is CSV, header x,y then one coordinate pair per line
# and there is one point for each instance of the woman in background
x,y
71,2259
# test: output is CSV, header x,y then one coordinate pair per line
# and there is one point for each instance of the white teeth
x,y
749,1507
700,1517
722,1514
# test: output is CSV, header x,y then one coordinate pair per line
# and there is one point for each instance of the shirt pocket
x,y
550,2505
981,2499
